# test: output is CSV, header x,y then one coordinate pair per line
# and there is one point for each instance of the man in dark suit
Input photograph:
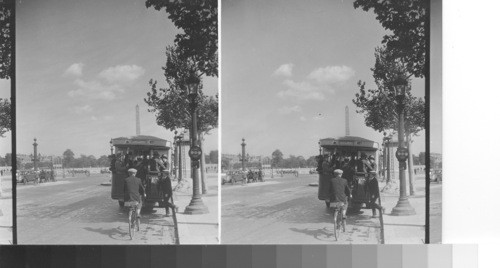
x,y
134,190
339,191
374,192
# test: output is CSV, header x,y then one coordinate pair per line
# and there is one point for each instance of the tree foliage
x,y
276,158
406,19
68,158
379,105
171,104
5,116
5,41
199,40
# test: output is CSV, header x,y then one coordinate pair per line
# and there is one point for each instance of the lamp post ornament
x,y
196,205
403,207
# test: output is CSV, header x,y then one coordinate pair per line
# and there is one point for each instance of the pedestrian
x,y
339,191
325,175
134,191
374,192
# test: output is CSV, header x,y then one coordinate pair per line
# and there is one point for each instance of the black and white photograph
x,y
6,206
324,123
117,122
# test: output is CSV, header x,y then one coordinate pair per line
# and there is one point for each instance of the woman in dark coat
x,y
325,175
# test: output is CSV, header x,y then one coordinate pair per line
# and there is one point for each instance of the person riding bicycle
x,y
339,191
133,190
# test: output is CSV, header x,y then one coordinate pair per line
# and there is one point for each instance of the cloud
x,y
319,82
82,109
289,110
122,73
284,70
302,118
95,90
301,91
106,118
75,69
331,74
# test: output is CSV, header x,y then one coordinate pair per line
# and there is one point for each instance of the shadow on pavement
x,y
113,233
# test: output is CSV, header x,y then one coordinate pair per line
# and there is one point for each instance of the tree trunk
x,y
410,164
202,165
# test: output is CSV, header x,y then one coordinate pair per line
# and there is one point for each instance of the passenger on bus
x,y
372,165
120,165
142,169
155,164
374,192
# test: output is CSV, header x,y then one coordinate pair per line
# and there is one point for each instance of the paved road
x,y
80,210
286,210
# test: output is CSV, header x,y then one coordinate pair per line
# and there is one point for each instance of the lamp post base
x,y
403,208
196,207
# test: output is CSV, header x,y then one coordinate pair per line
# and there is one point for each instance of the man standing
x,y
339,191
374,192
133,190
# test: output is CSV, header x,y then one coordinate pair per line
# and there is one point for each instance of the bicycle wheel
x,y
335,225
131,219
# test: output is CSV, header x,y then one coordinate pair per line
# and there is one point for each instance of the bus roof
x,y
140,141
349,142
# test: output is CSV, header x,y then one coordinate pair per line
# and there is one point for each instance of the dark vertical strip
x,y
289,256
264,256
164,256
189,256
113,256
88,256
214,256
239,256
63,256
314,256
13,120
138,256
37,256
12,256
364,256
427,118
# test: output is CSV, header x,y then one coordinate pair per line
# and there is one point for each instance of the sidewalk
x,y
6,212
405,229
198,229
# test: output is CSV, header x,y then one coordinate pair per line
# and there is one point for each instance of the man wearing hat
x,y
133,190
374,192
339,190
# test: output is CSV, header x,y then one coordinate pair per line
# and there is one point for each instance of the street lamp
x,y
243,144
319,146
35,166
196,205
403,207
111,146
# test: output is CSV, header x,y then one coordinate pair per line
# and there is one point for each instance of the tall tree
x,y
5,39
214,157
199,40
68,158
5,116
406,21
276,158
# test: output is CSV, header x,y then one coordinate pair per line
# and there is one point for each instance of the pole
x,y
179,144
243,144
196,205
403,207
35,166
410,165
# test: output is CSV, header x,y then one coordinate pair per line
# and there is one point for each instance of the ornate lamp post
x,y
35,165
403,207
243,144
111,146
196,205
319,146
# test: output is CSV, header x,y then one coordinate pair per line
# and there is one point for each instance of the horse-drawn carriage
x,y
47,176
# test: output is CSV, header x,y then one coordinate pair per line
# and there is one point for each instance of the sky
x,y
83,66
289,69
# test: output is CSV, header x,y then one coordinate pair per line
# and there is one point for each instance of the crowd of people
x,y
334,168
129,165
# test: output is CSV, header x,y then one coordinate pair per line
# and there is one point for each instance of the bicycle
x,y
134,222
338,222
